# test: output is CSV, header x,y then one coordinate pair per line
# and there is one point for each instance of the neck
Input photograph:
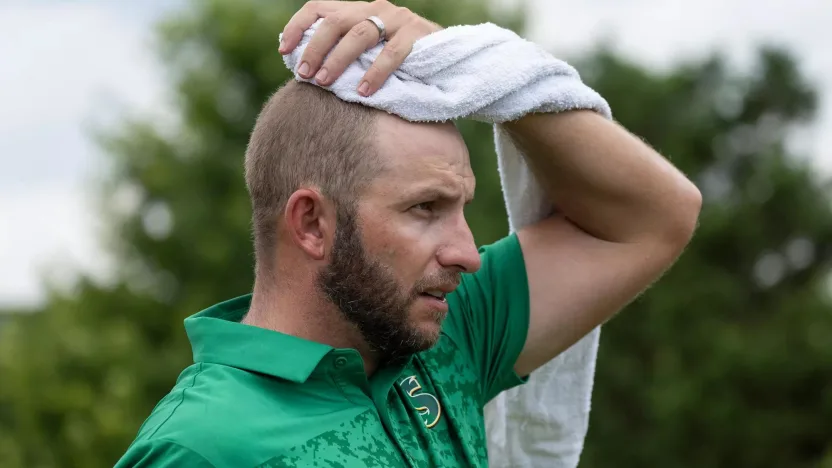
x,y
302,311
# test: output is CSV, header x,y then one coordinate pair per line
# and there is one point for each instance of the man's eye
x,y
426,206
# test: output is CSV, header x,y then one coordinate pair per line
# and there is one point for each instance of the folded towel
x,y
490,74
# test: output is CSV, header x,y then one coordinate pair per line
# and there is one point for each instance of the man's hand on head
x,y
348,20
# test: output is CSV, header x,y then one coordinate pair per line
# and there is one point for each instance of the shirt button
x,y
340,362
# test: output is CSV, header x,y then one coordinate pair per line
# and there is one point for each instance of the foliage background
x,y
725,362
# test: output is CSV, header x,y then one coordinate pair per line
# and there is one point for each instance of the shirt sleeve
x,y
489,316
161,454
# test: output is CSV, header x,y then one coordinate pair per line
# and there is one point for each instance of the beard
x,y
369,296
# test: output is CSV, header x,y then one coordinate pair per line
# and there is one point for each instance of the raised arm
x,y
625,215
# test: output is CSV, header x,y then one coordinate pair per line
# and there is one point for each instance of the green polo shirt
x,y
259,398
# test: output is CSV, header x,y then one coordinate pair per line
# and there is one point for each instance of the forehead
x,y
423,154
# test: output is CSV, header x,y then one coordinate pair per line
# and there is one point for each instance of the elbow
x,y
683,216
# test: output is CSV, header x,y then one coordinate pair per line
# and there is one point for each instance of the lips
x,y
439,292
435,293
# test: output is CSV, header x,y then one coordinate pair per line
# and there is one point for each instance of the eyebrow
x,y
438,193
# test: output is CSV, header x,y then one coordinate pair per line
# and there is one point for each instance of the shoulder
x,y
233,417
213,413
503,255
503,266
161,453
501,284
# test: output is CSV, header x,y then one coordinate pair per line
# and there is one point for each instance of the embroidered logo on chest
x,y
424,403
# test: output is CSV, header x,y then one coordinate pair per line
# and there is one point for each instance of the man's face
x,y
406,242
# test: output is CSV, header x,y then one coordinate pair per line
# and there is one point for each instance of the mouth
x,y
434,294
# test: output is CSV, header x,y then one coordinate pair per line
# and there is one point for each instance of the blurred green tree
x,y
728,360
721,364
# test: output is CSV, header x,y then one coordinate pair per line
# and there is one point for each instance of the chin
x,y
427,332
426,322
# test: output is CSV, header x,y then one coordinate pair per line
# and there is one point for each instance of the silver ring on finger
x,y
382,31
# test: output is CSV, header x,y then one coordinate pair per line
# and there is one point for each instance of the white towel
x,y
488,73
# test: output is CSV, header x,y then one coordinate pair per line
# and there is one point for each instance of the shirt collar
x,y
218,337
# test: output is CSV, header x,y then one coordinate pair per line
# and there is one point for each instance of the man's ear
x,y
310,221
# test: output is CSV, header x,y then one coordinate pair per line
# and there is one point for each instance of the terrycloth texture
x,y
490,74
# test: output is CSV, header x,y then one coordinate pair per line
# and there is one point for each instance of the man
x,y
376,331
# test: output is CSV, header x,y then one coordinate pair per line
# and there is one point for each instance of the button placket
x,y
341,372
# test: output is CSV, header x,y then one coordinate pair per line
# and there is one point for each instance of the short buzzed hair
x,y
306,136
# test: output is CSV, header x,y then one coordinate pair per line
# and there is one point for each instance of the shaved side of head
x,y
306,136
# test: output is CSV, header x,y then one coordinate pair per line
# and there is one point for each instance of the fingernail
x,y
281,45
304,69
321,76
364,88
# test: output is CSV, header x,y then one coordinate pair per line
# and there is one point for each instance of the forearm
x,y
605,180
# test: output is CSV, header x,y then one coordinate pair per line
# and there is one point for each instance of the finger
x,y
331,30
360,38
302,20
391,56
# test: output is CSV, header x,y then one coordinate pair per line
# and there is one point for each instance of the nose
x,y
459,251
